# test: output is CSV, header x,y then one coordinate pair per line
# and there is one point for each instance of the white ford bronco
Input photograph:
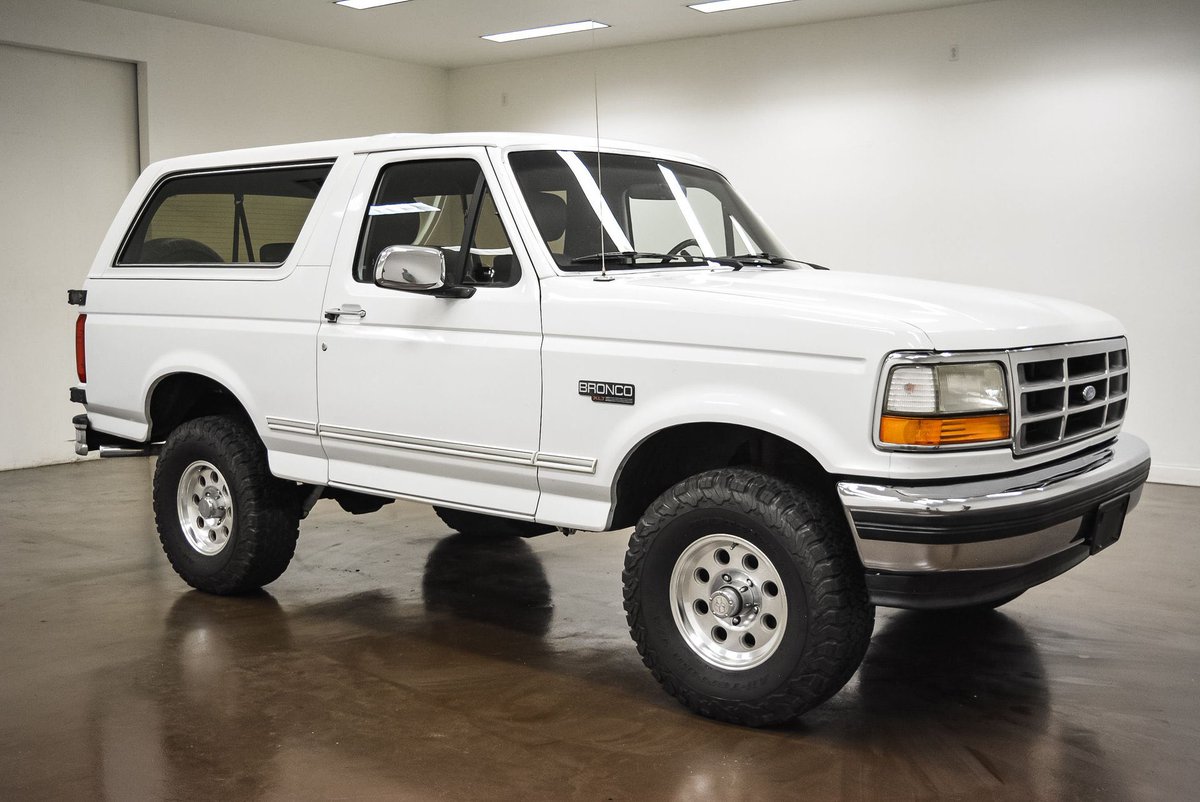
x,y
538,333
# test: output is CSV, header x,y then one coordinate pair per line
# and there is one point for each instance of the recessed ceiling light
x,y
549,30
364,4
731,5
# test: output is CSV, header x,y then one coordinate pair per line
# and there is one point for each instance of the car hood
x,y
952,316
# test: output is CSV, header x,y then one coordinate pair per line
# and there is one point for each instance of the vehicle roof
x,y
334,148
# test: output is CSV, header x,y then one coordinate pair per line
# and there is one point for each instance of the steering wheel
x,y
681,247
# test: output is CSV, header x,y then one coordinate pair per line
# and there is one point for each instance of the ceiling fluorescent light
x,y
733,5
549,30
361,5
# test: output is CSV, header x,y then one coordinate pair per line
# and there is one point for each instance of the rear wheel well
x,y
182,397
672,455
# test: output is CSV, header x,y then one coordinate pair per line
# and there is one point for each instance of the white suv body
x,y
567,393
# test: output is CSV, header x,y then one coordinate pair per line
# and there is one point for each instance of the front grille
x,y
1068,392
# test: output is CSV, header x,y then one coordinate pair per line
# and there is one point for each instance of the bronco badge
x,y
607,392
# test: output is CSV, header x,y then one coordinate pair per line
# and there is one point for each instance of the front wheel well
x,y
672,455
182,397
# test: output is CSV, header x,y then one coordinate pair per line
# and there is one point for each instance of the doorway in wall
x,y
68,155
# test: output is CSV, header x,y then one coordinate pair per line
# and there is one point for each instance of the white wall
x,y
210,88
58,200
1059,154
201,89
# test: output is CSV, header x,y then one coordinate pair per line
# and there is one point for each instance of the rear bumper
x,y
952,545
88,440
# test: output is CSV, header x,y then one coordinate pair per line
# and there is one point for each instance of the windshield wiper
x,y
631,257
772,259
765,258
743,259
736,262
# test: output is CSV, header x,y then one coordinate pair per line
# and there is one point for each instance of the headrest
x,y
394,229
176,251
275,252
550,214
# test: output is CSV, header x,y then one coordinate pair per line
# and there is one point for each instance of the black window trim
x,y
116,262
457,271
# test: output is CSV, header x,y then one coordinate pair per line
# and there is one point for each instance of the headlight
x,y
956,403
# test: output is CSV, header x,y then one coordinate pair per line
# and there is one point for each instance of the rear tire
x,y
477,524
225,523
745,597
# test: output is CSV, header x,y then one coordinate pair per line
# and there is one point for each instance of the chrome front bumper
x,y
988,533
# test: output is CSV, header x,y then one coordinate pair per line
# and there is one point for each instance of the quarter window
x,y
443,204
240,217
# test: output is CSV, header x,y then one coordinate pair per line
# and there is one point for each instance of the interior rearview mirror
x,y
411,268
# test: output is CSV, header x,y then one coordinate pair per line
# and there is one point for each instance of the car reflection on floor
x,y
260,700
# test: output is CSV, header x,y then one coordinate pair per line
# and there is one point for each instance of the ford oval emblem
x,y
1089,393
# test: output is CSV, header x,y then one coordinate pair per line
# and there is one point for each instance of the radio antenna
x,y
599,167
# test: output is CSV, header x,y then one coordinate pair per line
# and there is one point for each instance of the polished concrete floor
x,y
396,660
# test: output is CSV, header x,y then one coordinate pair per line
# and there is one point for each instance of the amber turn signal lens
x,y
943,431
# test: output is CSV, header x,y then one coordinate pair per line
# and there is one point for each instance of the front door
x,y
432,398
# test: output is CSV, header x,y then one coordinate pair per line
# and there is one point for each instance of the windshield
x,y
638,212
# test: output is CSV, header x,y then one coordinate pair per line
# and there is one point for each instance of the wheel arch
x,y
177,397
672,454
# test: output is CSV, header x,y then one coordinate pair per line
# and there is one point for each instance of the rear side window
x,y
239,217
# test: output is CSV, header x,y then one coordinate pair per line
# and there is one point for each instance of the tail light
x,y
80,357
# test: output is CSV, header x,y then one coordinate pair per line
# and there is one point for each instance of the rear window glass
x,y
241,217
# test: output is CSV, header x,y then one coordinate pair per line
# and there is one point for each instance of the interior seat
x,y
385,230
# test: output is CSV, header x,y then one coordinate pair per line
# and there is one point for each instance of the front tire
x,y
745,597
225,523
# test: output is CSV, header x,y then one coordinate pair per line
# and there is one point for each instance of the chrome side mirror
x,y
410,268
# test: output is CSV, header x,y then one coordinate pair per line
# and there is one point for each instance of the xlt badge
x,y
607,392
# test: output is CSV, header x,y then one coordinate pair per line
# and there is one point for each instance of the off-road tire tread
x,y
816,536
481,525
266,506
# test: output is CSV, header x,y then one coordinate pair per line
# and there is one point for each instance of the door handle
x,y
353,310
